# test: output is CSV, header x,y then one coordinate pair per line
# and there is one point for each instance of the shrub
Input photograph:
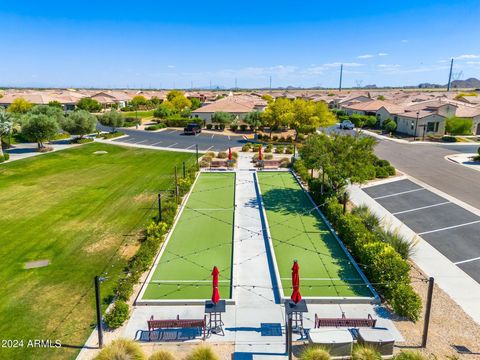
x,y
110,135
184,186
401,245
289,149
449,138
202,353
382,163
300,137
243,127
381,172
315,353
216,127
155,127
205,162
301,169
162,355
45,149
117,315
246,147
285,163
280,149
222,155
370,220
389,126
406,302
410,355
178,121
268,156
79,140
274,137
4,157
234,127
121,349
289,138
459,126
371,121
361,352
209,126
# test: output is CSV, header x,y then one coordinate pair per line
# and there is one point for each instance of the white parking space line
x,y
449,227
158,142
171,132
396,194
169,146
229,137
467,261
209,148
212,136
140,142
420,208
190,146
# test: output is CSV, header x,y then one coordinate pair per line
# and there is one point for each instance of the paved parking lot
x,y
174,138
452,230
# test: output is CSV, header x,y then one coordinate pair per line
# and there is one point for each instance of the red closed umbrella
x,y
296,297
229,153
215,294
260,155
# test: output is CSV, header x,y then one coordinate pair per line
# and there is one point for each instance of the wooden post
x,y
99,312
428,308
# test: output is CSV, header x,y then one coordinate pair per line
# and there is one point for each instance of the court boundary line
x,y
167,302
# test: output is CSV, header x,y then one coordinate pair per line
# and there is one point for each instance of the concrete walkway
x,y
257,315
457,284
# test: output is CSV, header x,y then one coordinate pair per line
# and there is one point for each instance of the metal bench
x,y
345,322
176,323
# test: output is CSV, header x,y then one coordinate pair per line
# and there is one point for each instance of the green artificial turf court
x,y
201,239
84,213
298,232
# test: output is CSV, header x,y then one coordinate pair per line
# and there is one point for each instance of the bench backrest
x,y
345,322
176,323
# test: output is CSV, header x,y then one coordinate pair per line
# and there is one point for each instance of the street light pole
x,y
99,312
416,124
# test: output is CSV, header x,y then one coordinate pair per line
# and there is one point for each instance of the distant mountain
x,y
468,83
456,84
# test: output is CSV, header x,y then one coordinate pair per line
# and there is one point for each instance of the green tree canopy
x,y
138,101
311,114
6,127
56,104
19,106
342,158
112,119
221,117
80,123
48,110
278,113
163,111
89,104
254,119
195,103
39,128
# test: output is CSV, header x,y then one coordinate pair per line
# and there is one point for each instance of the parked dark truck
x,y
192,129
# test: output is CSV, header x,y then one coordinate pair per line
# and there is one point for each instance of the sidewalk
x,y
458,285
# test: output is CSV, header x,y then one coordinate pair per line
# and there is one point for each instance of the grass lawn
x,y
84,214
298,232
142,115
201,240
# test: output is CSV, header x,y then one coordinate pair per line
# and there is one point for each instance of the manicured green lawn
x,y
201,240
298,232
82,212
141,114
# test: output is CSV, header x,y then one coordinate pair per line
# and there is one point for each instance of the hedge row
x,y
4,157
154,236
381,263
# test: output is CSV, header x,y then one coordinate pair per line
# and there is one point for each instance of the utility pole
x,y
99,312
428,308
341,75
450,75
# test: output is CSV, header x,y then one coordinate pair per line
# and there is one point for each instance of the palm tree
x,y
6,126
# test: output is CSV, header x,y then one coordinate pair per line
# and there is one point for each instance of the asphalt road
x,y
427,163
175,139
452,230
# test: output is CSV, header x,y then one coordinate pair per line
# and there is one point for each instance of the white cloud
x,y
382,54
171,66
473,62
337,64
404,41
467,56
365,56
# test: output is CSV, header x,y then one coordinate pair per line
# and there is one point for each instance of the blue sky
x,y
180,43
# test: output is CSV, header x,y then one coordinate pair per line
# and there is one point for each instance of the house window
x,y
432,126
